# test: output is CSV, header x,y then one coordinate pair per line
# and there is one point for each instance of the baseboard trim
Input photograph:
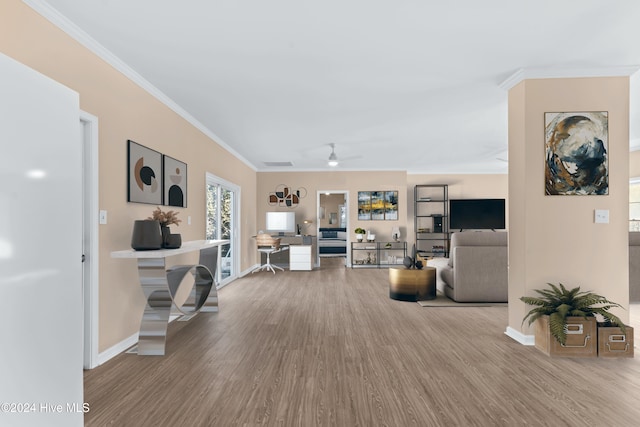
x,y
520,337
124,345
115,350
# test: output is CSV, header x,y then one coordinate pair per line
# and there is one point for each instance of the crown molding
x,y
59,20
565,73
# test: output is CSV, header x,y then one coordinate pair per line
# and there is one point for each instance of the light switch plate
x,y
601,216
103,217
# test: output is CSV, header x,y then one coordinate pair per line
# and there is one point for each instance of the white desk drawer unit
x,y
300,257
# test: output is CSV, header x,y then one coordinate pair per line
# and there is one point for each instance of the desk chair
x,y
268,245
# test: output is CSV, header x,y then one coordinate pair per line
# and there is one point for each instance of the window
x,y
634,204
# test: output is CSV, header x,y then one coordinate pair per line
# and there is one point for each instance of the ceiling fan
x,y
333,157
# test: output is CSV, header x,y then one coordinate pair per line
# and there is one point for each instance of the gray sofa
x,y
634,266
477,267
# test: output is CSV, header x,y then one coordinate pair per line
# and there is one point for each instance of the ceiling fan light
x,y
333,158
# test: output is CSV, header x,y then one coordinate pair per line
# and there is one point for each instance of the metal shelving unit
x,y
431,219
377,254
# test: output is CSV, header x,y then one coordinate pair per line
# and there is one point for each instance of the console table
x,y
160,287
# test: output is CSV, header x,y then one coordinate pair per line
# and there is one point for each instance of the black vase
x,y
407,261
174,241
166,232
146,235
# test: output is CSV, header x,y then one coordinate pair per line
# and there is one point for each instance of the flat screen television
x,y
477,214
281,222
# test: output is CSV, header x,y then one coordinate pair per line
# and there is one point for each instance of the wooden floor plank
x,y
329,348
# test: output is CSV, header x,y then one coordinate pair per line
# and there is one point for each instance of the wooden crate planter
x,y
582,338
613,343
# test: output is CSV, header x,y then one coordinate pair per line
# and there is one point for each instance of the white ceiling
x,y
396,85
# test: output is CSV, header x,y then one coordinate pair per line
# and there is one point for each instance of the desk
x,y
160,288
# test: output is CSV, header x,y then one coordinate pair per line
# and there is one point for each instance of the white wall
x,y
40,250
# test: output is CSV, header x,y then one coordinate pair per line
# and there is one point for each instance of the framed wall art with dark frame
x,y
175,182
144,174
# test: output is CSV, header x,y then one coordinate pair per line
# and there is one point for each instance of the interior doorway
x,y
333,215
90,215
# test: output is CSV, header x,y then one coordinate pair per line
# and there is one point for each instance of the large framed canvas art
x,y
576,153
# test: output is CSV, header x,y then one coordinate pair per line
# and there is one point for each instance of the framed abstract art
x,y
144,174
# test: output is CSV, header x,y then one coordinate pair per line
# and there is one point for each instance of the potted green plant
x,y
560,312
360,232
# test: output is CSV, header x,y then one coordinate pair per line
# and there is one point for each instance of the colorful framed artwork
x,y
175,182
364,205
576,153
144,174
377,205
390,205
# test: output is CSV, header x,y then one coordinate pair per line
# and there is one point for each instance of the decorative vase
x,y
146,235
173,241
166,232
359,237
418,265
407,261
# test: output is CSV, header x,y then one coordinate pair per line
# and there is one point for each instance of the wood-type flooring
x,y
329,348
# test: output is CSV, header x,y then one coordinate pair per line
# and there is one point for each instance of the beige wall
x,y
460,186
554,238
332,181
125,111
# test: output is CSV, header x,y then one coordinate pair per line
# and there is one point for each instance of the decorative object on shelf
x,y
565,320
165,219
395,233
144,174
360,232
377,205
283,196
576,158
407,262
371,237
175,182
146,235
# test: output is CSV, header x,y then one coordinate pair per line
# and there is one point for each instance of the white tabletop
x,y
190,246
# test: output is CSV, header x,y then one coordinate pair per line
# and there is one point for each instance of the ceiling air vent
x,y
277,164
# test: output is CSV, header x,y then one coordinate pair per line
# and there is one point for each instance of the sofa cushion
x,y
477,238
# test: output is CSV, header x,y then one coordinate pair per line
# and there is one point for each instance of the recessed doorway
x,y
333,225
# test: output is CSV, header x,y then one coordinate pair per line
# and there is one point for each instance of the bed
x,y
332,242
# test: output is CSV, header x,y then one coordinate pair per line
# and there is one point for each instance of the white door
x,y
223,211
40,250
